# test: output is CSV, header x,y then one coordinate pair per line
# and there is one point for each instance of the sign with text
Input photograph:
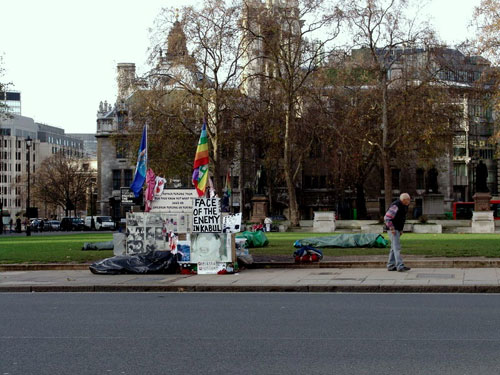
x,y
206,215
174,201
127,196
210,268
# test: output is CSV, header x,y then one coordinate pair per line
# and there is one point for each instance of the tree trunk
x,y
241,182
292,196
387,180
360,201
385,133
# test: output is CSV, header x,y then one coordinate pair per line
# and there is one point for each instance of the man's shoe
x,y
404,268
393,268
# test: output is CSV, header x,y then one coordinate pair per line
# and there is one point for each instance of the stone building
x,y
115,169
453,174
11,101
46,141
451,177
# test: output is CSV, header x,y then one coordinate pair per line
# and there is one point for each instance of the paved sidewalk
x,y
463,280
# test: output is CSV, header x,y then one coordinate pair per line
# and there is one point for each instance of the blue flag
x,y
142,160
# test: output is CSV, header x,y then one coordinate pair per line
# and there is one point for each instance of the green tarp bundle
x,y
254,239
344,240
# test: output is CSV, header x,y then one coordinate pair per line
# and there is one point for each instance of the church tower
x,y
276,22
176,64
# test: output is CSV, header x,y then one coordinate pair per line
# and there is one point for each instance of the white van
x,y
101,223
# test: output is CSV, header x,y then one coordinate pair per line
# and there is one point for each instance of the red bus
x,y
463,210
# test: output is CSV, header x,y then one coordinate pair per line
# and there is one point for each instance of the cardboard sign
x,y
206,215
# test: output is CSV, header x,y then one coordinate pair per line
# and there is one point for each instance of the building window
x,y
315,151
395,179
460,170
117,179
127,177
322,182
307,182
121,149
459,151
486,154
420,179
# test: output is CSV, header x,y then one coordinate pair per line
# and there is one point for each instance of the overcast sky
x,y
62,54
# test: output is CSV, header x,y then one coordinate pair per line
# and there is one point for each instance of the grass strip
x,y
67,248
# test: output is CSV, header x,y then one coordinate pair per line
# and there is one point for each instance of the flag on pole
x,y
228,184
141,166
200,172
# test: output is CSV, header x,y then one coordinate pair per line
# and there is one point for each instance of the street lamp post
x,y
28,211
92,222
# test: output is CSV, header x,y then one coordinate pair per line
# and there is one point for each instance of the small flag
x,y
228,184
200,172
140,168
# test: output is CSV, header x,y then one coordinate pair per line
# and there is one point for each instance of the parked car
x,y
100,222
104,223
53,225
36,225
71,223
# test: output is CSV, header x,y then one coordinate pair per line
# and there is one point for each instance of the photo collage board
x,y
191,226
148,231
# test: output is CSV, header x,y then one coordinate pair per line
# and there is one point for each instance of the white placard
x,y
210,268
231,223
206,215
174,201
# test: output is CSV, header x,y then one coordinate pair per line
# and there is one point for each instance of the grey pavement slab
x,y
309,279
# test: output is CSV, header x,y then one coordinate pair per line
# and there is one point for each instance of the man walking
x,y
395,218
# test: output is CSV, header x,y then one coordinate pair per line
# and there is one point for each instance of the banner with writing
x,y
174,201
206,215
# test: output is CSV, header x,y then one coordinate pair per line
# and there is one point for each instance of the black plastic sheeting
x,y
153,262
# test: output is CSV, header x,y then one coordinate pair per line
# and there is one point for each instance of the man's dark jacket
x,y
400,218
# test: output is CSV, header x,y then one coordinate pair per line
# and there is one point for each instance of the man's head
x,y
405,199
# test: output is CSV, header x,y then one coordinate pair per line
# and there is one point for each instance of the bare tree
x,y
397,53
62,181
209,75
172,120
3,89
486,18
289,41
